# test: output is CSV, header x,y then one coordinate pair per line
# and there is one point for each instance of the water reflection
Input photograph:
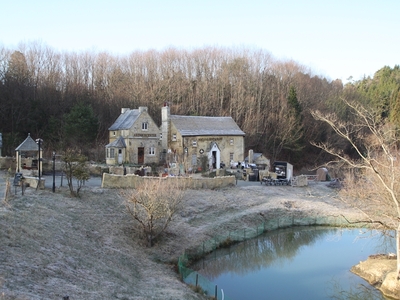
x,y
307,262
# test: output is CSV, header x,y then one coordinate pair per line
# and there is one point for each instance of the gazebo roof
x,y
28,145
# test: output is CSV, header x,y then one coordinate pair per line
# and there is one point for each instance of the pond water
x,y
296,263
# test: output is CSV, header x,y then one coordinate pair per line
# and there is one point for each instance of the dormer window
x,y
194,143
145,125
114,133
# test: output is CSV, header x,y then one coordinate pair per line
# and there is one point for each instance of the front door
x,y
140,155
119,156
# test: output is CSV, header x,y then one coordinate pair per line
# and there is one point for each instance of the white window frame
x,y
112,153
152,151
231,142
231,156
145,126
174,137
194,143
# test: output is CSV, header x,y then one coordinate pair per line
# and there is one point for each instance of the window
x,y
108,153
161,136
231,156
194,143
231,142
174,137
114,133
112,153
152,151
145,125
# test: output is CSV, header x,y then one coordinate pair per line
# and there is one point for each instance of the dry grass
x,y
53,245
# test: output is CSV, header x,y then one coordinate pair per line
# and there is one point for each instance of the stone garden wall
x,y
132,181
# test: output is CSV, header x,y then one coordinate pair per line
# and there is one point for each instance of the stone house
x,y
183,140
194,138
134,138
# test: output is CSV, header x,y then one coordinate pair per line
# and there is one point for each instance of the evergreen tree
x,y
80,127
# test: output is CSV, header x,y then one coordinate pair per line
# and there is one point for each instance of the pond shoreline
x,y
380,272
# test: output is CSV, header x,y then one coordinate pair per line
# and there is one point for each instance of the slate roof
x,y
196,126
255,156
125,120
28,145
118,143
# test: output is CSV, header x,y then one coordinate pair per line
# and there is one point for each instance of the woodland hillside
x,y
70,99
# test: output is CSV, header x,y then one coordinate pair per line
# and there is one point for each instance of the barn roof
x,y
196,126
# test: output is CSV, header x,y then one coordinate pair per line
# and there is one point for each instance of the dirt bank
x,y
53,245
380,271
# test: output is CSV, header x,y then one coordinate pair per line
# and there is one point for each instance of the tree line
x,y
70,99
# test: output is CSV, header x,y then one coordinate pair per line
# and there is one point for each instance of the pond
x,y
296,263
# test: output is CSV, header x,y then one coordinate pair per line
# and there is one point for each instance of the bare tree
x,y
375,169
153,204
75,168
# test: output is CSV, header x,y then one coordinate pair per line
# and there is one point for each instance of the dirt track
x,y
53,245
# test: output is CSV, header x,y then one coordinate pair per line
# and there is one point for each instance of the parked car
x,y
252,166
236,165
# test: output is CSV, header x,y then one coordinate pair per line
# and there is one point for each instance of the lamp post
x,y
39,142
54,171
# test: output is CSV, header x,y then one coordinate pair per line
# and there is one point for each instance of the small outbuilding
x,y
28,155
262,162
322,174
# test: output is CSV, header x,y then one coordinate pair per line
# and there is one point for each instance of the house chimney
x,y
124,109
251,155
142,109
165,118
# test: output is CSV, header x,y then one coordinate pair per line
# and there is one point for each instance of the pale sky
x,y
335,38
